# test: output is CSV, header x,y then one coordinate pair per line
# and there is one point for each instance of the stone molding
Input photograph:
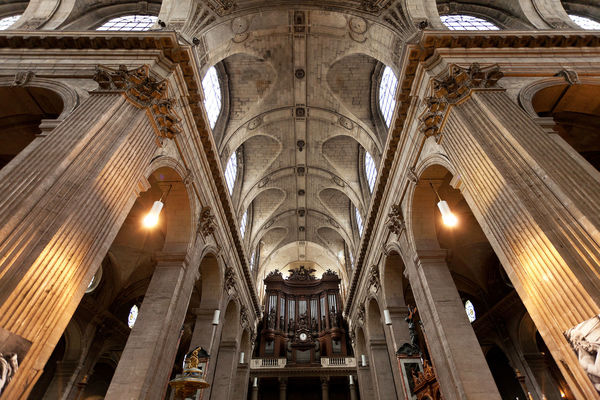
x,y
452,89
145,92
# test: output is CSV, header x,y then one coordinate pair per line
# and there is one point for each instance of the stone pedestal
x,y
458,360
147,361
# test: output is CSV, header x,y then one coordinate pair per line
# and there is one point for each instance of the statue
x,y
291,325
412,348
333,320
317,350
272,319
302,323
313,324
281,322
8,367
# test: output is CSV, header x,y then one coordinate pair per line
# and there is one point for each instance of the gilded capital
x,y
145,92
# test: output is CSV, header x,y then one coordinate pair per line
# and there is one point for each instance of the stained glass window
x,y
231,172
387,94
467,23
212,96
470,310
584,22
129,23
370,170
243,223
5,23
133,313
358,221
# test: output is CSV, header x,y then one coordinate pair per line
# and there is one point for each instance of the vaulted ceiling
x,y
300,110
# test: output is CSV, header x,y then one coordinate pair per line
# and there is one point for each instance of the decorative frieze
x,y
145,92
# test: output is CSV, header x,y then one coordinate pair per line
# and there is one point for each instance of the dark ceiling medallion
x,y
300,112
299,73
301,229
301,192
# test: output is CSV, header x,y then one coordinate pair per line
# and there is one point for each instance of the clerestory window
x,y
358,221
470,310
243,223
212,96
467,23
585,23
128,23
133,314
387,95
231,172
5,23
370,170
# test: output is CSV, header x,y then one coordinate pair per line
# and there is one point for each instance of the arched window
x,y
5,23
387,95
129,23
212,96
133,313
358,221
231,172
467,23
584,22
370,170
243,223
470,310
252,260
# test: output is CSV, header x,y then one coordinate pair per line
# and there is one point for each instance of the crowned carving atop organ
x,y
303,317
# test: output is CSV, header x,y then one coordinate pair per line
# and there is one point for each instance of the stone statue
x,y
412,348
333,321
313,324
281,322
272,319
9,365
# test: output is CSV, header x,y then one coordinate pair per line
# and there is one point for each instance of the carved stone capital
x,y
145,92
453,88
395,222
206,223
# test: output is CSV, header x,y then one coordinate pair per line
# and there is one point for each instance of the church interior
x,y
300,199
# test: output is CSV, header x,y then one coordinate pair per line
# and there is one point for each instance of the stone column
x,y
364,379
352,388
381,369
282,388
62,376
254,389
241,386
62,203
324,388
459,363
543,377
225,371
539,207
147,361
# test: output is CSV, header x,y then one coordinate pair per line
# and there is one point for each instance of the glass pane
x,y
133,313
387,94
231,172
358,221
470,310
212,96
585,23
129,23
467,23
5,23
243,223
370,170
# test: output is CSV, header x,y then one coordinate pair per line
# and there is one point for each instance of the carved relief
x,y
22,78
145,92
244,321
206,224
360,315
230,280
395,222
569,75
374,283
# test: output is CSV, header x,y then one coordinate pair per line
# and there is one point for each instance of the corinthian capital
x,y
145,92
461,81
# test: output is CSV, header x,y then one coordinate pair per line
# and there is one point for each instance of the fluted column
x,y
62,202
459,363
538,205
147,360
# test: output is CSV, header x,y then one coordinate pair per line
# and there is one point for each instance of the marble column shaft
x,y
540,209
62,202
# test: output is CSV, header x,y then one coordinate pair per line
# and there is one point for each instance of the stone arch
x,y
12,8
211,281
393,280
499,16
97,17
375,330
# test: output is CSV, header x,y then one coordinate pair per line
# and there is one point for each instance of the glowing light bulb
x,y
448,217
151,219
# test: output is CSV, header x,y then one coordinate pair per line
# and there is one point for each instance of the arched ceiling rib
x,y
301,109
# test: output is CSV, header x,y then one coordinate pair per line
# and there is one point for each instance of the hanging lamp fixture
x,y
448,217
151,219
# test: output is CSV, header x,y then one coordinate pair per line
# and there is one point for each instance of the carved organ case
x,y
303,317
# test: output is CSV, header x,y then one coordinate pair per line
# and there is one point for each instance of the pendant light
x,y
448,217
151,219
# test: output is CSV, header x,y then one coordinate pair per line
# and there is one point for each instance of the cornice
x,y
418,53
167,43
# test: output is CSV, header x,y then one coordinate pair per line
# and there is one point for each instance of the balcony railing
x,y
258,363
336,362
